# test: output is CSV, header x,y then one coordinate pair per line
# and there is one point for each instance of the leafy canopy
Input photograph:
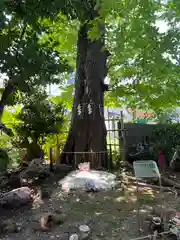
x,y
144,63
25,58
142,57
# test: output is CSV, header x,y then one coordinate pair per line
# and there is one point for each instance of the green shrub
x,y
38,121
166,138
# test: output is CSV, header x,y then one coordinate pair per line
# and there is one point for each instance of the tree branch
x,y
10,86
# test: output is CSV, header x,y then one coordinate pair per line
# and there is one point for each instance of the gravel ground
x,y
110,215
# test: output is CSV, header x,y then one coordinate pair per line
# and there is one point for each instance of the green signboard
x,y
141,120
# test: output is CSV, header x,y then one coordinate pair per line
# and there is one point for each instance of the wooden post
x,y
109,135
51,160
123,139
134,114
57,150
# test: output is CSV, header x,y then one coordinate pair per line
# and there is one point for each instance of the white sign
x,y
146,169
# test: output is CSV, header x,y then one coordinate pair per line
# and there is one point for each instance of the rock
x,y
43,223
16,197
47,221
36,165
9,226
84,231
74,237
15,181
36,170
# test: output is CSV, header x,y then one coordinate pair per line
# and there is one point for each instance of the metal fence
x,y
113,138
113,144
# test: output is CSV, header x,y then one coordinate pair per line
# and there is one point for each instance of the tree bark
x,y
9,89
88,131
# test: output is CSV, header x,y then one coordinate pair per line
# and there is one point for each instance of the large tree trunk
x,y
87,131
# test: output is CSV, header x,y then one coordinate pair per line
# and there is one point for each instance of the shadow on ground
x,y
110,215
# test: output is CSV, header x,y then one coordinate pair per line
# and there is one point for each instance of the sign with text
x,y
146,169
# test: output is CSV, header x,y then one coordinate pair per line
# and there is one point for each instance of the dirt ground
x,y
110,215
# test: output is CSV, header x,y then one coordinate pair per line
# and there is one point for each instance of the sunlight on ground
x,y
98,213
110,214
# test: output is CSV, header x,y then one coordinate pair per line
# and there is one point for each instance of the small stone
x,y
84,228
46,222
74,237
84,231
19,228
